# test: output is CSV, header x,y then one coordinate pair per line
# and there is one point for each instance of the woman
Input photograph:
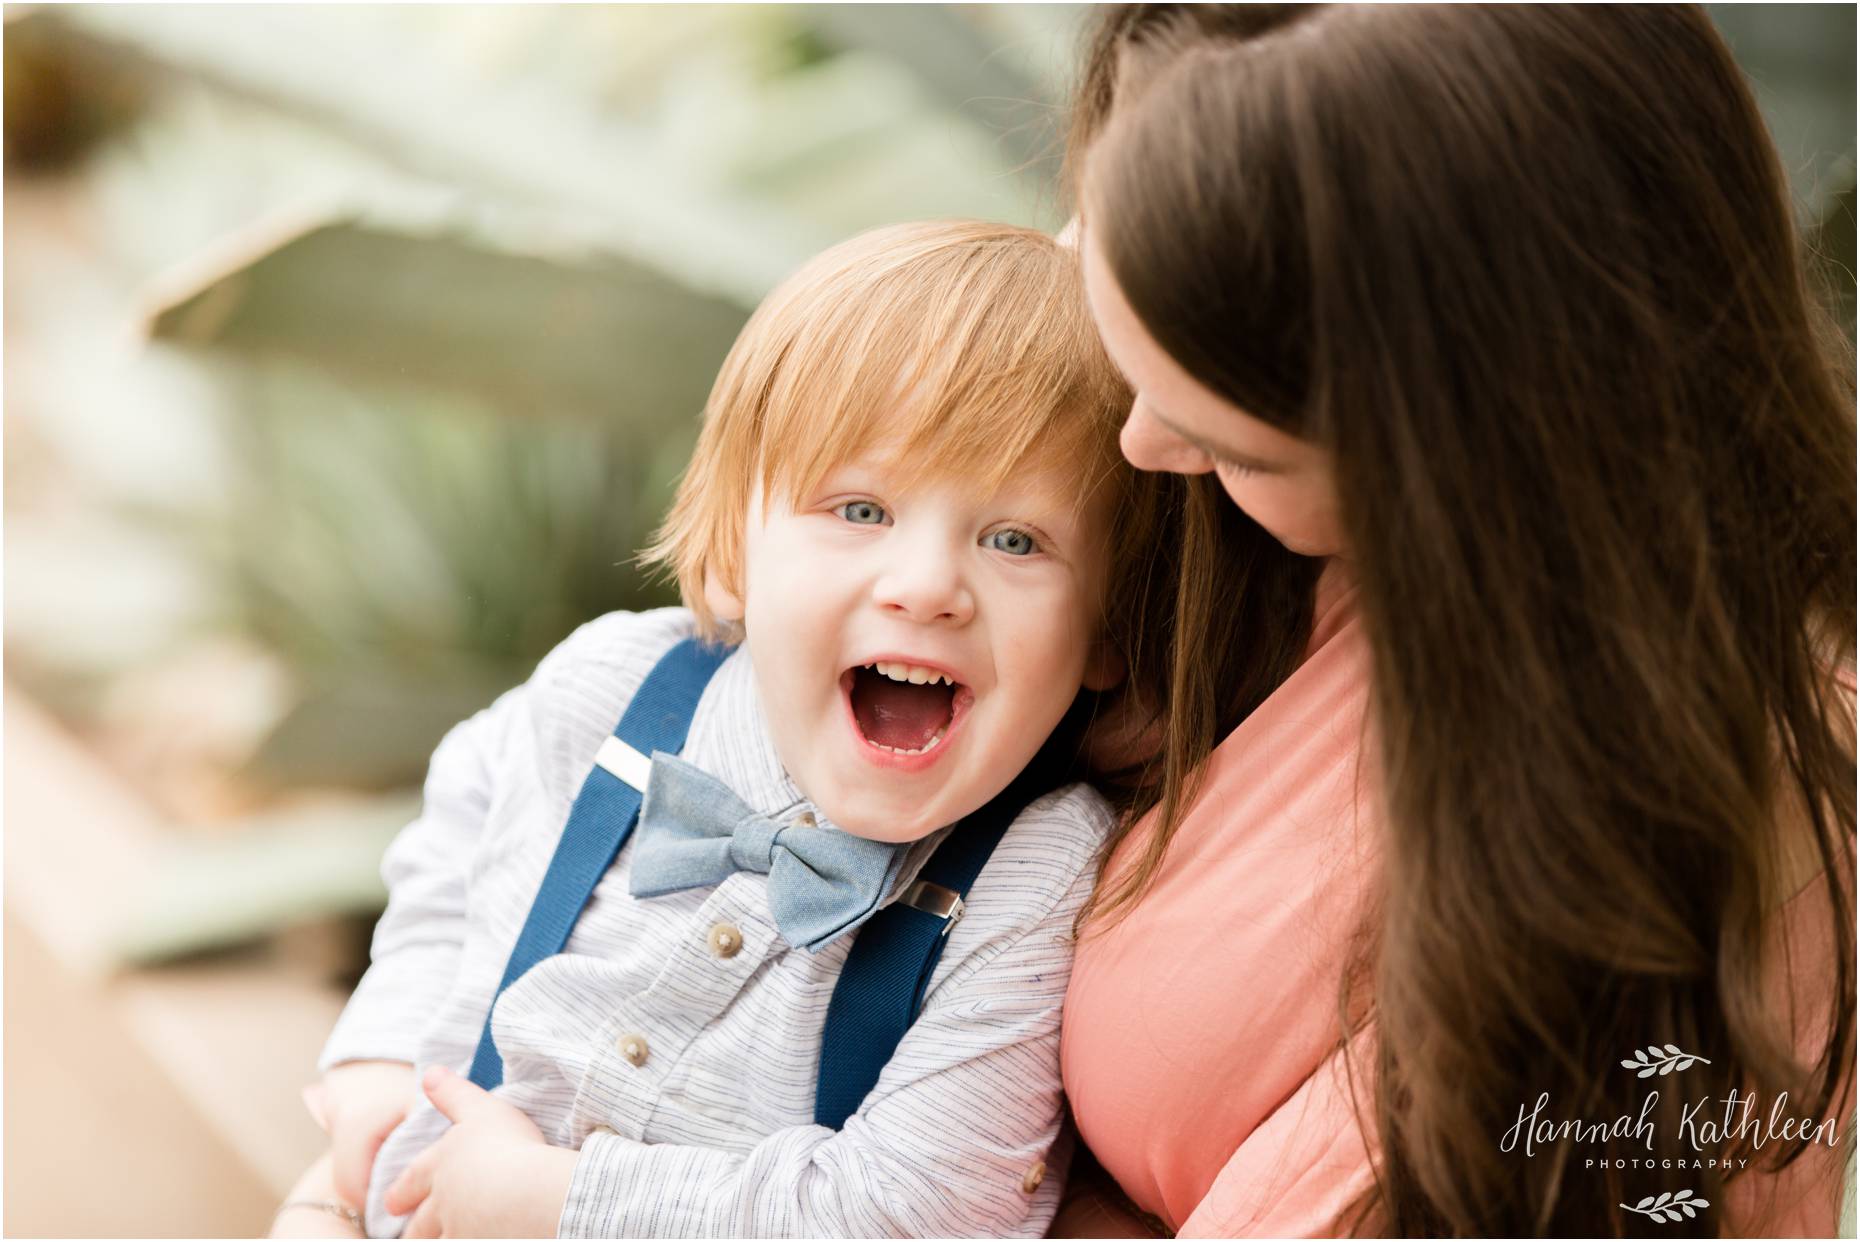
x,y
1492,318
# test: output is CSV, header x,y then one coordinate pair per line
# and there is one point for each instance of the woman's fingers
x,y
359,1103
316,1099
355,1151
354,1162
412,1188
425,1222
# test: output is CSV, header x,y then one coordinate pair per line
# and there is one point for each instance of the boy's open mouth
x,y
905,708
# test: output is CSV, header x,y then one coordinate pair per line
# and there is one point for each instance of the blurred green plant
x,y
445,458
1830,242
460,279
535,337
1800,63
412,556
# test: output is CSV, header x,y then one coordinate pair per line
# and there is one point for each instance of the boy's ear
x,y
1105,667
724,603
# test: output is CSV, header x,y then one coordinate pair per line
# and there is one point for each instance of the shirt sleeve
x,y
419,939
955,1139
1299,1172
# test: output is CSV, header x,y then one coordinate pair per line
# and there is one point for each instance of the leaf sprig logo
x,y
1653,1059
1669,1206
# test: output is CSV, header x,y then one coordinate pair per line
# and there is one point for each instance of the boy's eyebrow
x,y
1245,461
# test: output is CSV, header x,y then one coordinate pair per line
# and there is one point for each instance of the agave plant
x,y
458,280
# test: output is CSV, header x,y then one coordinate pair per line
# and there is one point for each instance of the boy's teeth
x,y
929,745
916,674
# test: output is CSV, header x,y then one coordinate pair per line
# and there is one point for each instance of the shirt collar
x,y
742,755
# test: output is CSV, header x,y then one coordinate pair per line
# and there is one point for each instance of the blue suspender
x,y
602,819
882,985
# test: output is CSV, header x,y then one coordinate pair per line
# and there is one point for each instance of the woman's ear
x,y
724,603
1105,666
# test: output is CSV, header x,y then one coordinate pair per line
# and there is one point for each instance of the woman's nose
x,y
1148,444
925,586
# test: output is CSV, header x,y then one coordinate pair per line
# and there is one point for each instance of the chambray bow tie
x,y
694,830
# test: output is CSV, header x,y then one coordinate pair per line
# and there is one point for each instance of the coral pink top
x,y
1200,1030
1200,1038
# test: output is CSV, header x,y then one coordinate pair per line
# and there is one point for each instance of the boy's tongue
x,y
899,714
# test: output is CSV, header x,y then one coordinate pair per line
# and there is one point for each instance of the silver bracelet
x,y
348,1214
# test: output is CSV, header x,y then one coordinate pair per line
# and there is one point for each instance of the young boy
x,y
908,507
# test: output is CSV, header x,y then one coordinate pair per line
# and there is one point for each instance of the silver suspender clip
x,y
945,903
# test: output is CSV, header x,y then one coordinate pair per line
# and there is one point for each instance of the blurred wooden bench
x,y
148,1102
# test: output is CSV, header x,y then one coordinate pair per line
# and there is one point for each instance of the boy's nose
x,y
926,589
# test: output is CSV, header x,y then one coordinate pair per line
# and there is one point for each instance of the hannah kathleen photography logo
x,y
1706,1124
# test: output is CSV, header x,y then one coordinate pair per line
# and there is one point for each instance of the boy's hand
x,y
492,1175
358,1103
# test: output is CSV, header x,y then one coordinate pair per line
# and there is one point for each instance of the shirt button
x,y
1031,1179
725,940
633,1048
805,820
608,1130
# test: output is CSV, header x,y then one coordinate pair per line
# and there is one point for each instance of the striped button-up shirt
x,y
676,1040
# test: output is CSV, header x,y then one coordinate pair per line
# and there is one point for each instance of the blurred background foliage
x,y
353,351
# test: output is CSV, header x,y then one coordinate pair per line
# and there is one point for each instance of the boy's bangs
x,y
983,376
958,350
933,436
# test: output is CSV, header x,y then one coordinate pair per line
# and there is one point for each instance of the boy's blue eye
x,y
1013,542
862,513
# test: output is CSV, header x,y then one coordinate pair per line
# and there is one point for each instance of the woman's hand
x,y
1094,1214
492,1175
358,1104
303,1214
1094,1207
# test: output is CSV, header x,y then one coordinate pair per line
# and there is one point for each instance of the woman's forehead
x,y
1183,403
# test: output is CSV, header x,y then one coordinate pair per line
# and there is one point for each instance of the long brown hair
x,y
1215,624
1223,617
1529,274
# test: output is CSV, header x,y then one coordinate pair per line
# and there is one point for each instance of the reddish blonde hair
x,y
966,344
